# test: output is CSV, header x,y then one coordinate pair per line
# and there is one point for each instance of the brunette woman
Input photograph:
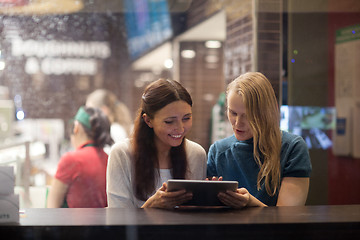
x,y
157,151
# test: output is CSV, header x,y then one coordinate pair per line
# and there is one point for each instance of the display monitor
x,y
148,24
312,123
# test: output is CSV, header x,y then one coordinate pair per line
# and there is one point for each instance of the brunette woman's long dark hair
x,y
157,95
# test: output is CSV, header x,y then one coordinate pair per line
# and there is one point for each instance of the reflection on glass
x,y
311,123
55,52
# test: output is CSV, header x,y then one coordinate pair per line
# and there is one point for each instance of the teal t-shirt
x,y
234,161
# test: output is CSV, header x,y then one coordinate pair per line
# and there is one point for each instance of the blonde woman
x,y
272,167
117,112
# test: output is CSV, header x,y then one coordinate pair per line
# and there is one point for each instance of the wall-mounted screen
x,y
148,24
312,123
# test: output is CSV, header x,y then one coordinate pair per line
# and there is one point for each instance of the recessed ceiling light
x,y
188,53
212,44
212,59
168,63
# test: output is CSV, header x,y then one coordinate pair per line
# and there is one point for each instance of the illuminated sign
x,y
60,57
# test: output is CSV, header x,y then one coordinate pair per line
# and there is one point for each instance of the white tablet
x,y
204,192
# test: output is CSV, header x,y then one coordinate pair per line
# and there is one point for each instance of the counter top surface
x,y
117,216
306,222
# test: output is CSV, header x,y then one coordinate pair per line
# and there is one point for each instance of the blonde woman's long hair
x,y
118,111
262,112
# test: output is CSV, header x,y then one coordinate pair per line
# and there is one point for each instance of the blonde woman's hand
x,y
164,199
215,178
239,199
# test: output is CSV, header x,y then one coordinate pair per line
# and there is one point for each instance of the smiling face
x,y
237,116
171,124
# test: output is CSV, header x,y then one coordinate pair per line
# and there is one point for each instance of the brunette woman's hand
x,y
239,199
164,199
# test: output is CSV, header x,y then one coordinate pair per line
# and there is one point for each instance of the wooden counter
x,y
308,222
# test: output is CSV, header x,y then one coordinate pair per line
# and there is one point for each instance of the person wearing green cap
x,y
80,179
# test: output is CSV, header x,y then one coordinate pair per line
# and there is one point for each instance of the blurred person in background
x,y
80,179
117,112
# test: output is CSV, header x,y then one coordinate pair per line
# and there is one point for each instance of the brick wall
x,y
254,43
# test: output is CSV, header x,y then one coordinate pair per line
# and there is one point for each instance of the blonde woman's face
x,y
171,124
237,116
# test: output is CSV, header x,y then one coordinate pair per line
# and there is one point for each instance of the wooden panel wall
x,y
204,80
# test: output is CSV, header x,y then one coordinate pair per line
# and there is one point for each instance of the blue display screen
x,y
148,24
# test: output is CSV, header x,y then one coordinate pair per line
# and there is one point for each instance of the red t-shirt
x,y
84,170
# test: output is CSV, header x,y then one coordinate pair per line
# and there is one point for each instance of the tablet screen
x,y
204,192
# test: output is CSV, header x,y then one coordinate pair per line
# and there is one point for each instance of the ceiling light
x,y
212,59
208,97
213,44
188,53
168,63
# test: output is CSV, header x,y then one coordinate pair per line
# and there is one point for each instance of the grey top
x,y
120,192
